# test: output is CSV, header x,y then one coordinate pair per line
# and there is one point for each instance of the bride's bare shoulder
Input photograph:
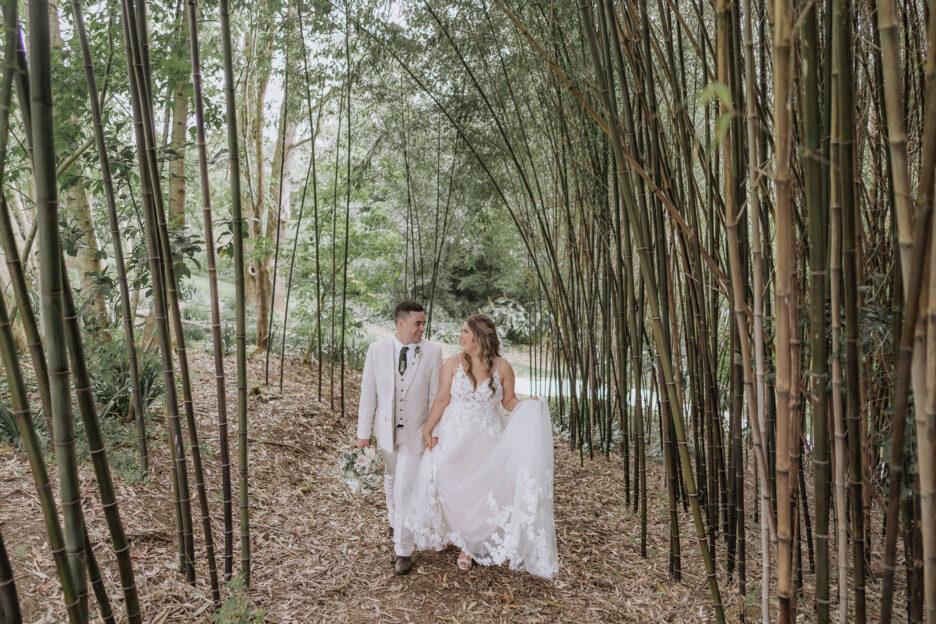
x,y
502,366
451,362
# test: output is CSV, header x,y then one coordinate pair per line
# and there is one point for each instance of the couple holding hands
x,y
466,462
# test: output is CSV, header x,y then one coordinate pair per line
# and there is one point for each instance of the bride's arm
x,y
442,400
507,380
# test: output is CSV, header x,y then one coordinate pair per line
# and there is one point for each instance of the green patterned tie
x,y
402,364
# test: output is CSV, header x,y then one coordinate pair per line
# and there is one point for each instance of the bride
x,y
486,486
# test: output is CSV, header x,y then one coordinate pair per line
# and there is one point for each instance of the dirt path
x,y
322,555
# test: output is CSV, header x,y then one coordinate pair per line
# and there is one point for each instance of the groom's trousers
x,y
400,471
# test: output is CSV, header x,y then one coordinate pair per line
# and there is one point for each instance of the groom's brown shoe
x,y
403,566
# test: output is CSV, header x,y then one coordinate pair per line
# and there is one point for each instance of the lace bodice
x,y
480,397
472,410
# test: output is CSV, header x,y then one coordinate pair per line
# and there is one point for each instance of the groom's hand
x,y
361,443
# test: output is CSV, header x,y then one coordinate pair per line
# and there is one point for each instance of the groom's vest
x,y
401,384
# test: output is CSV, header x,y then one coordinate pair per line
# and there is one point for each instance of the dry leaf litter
x,y
321,554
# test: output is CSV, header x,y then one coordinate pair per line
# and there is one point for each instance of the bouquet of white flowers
x,y
361,470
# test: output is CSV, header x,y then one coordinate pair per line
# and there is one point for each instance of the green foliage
x,y
120,440
444,329
303,333
194,333
9,427
237,609
228,337
355,354
186,248
753,594
560,421
720,91
110,381
124,462
512,319
9,430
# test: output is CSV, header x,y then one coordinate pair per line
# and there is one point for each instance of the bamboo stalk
x,y
818,261
782,54
10,359
347,223
50,278
9,600
237,225
850,216
37,466
96,446
901,392
97,583
171,286
215,325
925,342
149,184
15,68
835,275
766,513
310,172
652,291
279,209
139,411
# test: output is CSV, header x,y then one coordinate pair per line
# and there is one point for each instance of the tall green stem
x,y
50,278
215,318
237,225
818,263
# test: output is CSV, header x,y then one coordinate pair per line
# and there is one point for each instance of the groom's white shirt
x,y
389,399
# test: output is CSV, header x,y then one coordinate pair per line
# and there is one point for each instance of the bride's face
x,y
467,340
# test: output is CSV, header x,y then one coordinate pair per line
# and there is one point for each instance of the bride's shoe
x,y
464,561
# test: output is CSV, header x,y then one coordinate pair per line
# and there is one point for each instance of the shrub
x,y
9,430
237,608
513,322
110,383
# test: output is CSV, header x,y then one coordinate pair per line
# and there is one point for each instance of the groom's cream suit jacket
x,y
386,394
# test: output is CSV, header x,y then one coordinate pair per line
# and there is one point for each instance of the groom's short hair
x,y
405,307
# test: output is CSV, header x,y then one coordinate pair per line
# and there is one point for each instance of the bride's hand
x,y
428,439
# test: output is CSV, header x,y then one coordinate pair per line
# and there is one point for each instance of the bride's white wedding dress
x,y
487,486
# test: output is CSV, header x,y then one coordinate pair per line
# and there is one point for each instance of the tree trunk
x,y
274,229
180,104
88,261
260,52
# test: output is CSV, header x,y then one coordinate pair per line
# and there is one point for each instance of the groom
x,y
400,383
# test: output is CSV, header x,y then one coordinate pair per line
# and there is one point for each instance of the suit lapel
x,y
387,368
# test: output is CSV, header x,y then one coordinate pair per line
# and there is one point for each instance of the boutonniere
x,y
418,353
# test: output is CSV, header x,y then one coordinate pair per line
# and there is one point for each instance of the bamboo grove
x,y
724,212
727,207
727,218
57,354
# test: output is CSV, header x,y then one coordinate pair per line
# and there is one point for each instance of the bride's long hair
x,y
485,334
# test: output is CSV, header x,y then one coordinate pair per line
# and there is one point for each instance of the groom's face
x,y
410,327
